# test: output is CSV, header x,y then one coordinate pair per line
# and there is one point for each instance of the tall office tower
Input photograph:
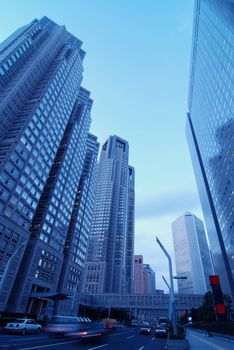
x,y
78,232
210,128
138,274
192,255
131,230
110,250
148,279
45,118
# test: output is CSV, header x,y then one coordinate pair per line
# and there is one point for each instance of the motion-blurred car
x,y
161,330
23,326
89,330
145,328
110,324
63,325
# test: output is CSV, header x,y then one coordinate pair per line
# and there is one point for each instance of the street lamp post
x,y
4,275
173,312
169,308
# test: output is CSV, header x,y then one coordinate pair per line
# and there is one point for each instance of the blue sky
x,y
137,69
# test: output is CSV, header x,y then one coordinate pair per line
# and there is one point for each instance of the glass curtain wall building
x,y
78,232
45,118
210,128
192,255
109,265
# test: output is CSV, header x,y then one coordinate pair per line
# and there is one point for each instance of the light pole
x,y
4,275
169,308
173,313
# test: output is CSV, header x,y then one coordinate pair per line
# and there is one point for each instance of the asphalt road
x,y
129,339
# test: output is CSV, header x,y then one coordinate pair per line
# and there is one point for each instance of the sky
x,y
137,69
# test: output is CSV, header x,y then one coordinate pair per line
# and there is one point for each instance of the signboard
x,y
219,306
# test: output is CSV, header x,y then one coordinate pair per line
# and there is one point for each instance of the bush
x,y
219,327
180,332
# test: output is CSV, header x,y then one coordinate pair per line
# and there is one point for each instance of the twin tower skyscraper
x,y
49,176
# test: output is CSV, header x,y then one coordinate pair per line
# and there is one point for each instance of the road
x,y
129,339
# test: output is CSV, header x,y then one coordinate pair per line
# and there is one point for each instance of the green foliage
x,y
206,311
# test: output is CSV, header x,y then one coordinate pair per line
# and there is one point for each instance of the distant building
x,y
210,128
191,255
109,265
44,146
138,274
148,279
144,277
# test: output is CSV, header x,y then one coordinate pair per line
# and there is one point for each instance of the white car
x,y
23,326
161,330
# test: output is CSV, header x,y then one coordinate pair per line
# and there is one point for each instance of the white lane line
x,y
97,347
49,345
226,339
141,348
131,336
153,338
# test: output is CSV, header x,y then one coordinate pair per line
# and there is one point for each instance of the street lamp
x,y
172,293
168,286
169,308
4,275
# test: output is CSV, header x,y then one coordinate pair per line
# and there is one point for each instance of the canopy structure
x,y
50,296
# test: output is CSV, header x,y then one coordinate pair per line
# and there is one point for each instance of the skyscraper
x,y
78,232
109,265
45,119
210,128
192,255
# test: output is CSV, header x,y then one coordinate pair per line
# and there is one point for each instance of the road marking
x,y
227,339
97,347
113,335
141,348
153,338
208,342
48,345
29,338
131,336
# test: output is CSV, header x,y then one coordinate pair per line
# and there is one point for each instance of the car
x,y
89,330
145,328
23,326
161,330
63,325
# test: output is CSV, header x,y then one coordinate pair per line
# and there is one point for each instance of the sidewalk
x,y
200,340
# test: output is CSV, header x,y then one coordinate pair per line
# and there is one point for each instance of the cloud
x,y
158,205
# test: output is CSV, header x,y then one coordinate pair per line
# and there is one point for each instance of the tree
x,y
228,305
